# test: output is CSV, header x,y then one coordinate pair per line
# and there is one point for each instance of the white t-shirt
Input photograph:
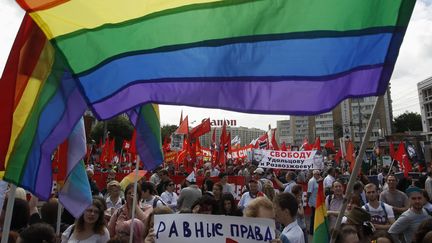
x,y
378,216
288,186
69,237
170,198
328,181
228,188
294,233
246,198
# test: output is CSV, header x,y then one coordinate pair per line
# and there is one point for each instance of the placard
x,y
290,160
186,228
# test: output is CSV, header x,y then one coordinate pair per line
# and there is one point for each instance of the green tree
x,y
408,121
167,130
119,128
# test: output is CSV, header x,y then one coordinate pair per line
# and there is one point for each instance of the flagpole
x,y
134,203
8,216
357,165
59,211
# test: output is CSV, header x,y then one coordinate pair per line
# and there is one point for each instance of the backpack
x,y
329,199
155,201
382,206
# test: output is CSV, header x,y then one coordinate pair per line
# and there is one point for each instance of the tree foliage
x,y
167,130
408,121
119,128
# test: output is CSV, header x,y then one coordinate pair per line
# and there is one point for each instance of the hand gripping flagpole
x,y
134,203
8,216
357,165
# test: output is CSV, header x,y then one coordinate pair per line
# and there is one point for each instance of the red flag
x,y
201,129
132,148
306,145
273,141
330,145
62,152
229,240
262,142
317,144
111,150
104,157
338,156
403,159
283,147
392,150
350,155
222,143
184,127
88,152
166,144
126,145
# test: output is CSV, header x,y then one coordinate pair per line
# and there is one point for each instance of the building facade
x,y
349,120
283,132
425,98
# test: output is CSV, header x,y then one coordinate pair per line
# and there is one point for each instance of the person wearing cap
x,y
360,220
189,195
259,176
253,193
312,195
409,221
114,200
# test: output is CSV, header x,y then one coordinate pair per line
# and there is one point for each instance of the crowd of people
x,y
387,210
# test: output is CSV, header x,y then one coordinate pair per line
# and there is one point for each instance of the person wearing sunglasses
x,y
169,196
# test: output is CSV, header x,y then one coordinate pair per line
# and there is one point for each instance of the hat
x,y
358,215
113,183
412,189
259,171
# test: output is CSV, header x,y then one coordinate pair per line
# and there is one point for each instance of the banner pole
x,y
134,203
8,216
59,211
357,164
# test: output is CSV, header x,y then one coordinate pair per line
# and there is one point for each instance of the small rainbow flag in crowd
x,y
321,229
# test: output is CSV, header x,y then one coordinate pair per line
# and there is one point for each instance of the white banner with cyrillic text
x,y
290,160
186,228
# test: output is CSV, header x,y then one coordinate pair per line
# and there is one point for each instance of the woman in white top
x,y
89,227
169,196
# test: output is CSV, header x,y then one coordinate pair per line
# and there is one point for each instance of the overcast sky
x,y
414,65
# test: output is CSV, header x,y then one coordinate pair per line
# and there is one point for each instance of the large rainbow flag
x,y
264,56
